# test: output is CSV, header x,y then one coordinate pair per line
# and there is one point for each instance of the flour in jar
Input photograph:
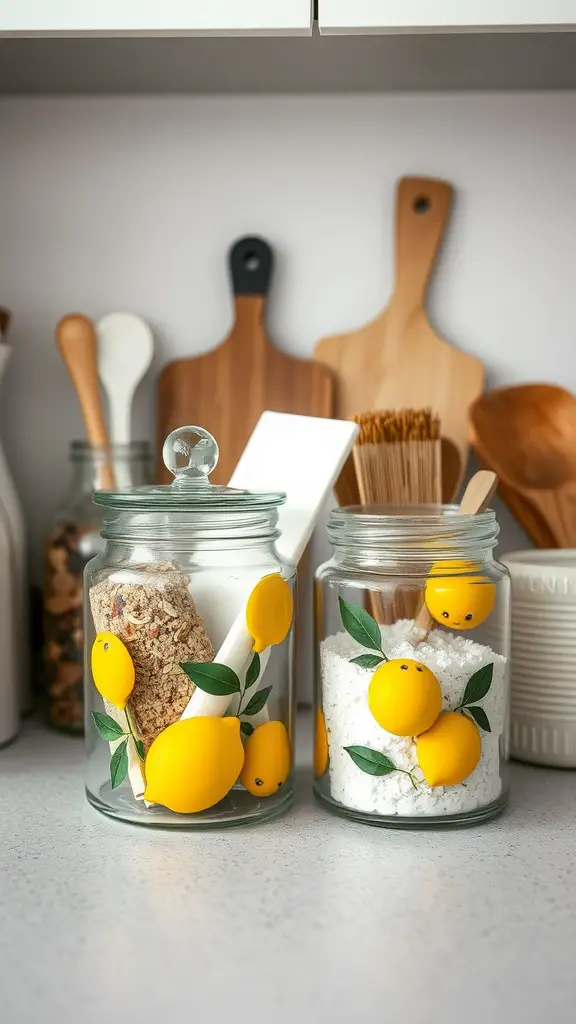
x,y
349,722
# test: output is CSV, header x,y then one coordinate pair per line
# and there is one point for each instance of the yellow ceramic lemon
x,y
404,697
194,763
269,612
320,745
267,759
112,669
460,602
450,751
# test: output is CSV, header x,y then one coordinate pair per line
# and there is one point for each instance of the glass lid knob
x,y
190,453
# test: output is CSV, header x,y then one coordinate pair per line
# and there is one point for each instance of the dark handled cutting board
x,y
227,389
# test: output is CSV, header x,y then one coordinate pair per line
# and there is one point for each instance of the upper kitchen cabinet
x,y
366,16
155,17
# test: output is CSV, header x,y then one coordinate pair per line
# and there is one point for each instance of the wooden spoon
x,y
476,498
76,340
527,434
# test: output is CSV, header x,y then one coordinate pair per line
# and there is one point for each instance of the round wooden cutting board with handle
x,y
398,361
227,389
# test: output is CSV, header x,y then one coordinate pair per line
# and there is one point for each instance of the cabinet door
x,y
364,16
155,17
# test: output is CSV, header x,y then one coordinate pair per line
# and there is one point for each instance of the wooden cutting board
x,y
398,360
227,389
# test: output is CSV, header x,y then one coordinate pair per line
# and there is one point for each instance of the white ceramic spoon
x,y
125,350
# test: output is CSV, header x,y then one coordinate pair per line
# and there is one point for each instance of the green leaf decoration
x,y
371,761
119,765
246,728
257,702
107,727
478,685
480,717
219,680
367,660
360,625
140,749
252,672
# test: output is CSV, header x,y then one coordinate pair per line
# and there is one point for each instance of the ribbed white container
x,y
543,656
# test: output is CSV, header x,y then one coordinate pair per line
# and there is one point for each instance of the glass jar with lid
x,y
412,667
189,613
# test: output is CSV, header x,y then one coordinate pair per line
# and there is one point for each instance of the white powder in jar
x,y
349,722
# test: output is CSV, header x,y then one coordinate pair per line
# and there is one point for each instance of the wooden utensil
x,y
476,498
398,361
527,434
227,389
76,340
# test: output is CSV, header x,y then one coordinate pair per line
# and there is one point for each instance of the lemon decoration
x,y
269,612
267,759
194,763
460,602
404,697
320,745
450,751
112,669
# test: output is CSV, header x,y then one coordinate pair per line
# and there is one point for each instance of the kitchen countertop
x,y
308,918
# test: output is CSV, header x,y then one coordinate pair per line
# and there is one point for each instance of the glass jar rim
x,y
414,525
82,450
209,499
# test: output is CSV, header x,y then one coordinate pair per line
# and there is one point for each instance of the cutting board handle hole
x,y
421,205
251,262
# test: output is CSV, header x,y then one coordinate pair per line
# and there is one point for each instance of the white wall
x,y
132,203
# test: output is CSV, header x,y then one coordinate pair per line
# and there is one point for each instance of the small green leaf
x,y
246,728
219,680
367,660
140,749
371,761
360,625
480,717
252,672
478,685
119,765
106,727
257,702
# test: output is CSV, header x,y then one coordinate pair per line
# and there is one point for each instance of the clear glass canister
x,y
412,624
189,608
73,539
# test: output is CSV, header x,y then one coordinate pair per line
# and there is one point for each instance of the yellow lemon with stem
x,y
458,601
267,759
194,763
450,750
404,697
320,744
112,669
269,612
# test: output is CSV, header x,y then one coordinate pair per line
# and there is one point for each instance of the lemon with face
x,y
404,697
450,750
267,759
112,669
193,764
459,602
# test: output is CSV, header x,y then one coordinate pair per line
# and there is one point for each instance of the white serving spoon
x,y
125,350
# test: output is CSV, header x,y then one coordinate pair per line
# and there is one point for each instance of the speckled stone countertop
x,y
306,919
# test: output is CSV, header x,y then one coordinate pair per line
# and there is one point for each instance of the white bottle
x,y
14,525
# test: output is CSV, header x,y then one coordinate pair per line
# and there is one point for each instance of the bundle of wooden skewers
x,y
396,461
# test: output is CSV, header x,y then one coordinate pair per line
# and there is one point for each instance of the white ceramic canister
x,y
543,656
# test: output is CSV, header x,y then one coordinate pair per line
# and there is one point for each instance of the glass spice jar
x,y
72,541
412,627
189,685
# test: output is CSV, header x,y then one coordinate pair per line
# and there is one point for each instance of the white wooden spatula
x,y
125,350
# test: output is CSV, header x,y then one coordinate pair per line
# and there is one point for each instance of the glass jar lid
x,y
190,453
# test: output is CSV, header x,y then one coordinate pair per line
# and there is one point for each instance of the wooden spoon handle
x,y
476,498
76,340
422,208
